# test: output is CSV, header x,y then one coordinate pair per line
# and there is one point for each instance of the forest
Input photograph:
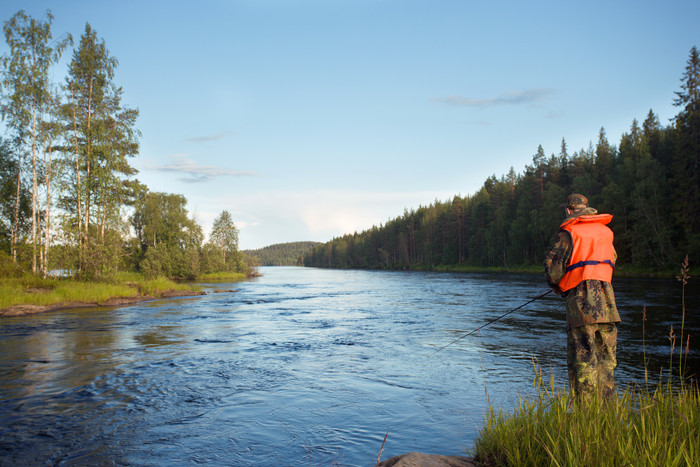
x,y
69,197
649,182
281,254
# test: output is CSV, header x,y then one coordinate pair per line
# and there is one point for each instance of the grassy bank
x,y
30,290
222,276
659,426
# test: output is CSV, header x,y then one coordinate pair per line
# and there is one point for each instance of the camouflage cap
x,y
575,202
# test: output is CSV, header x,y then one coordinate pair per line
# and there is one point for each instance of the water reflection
x,y
299,367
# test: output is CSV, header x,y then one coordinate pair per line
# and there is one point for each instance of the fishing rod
x,y
492,321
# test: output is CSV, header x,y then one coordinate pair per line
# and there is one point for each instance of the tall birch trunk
x,y
47,229
34,188
15,223
77,169
88,158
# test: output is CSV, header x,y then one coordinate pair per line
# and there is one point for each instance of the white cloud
x,y
529,96
196,173
266,218
206,138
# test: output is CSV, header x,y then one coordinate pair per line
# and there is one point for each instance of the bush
x,y
156,262
8,268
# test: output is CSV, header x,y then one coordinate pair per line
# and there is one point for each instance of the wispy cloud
x,y
529,96
205,138
196,173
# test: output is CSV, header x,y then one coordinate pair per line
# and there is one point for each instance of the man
x,y
579,267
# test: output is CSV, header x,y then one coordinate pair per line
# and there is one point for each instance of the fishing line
x,y
492,321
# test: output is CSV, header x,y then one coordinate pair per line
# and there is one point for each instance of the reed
x,y
638,427
657,425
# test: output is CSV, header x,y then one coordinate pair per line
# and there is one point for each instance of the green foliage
x,y
224,235
156,262
8,268
282,254
27,96
220,254
212,259
92,183
170,240
21,218
637,427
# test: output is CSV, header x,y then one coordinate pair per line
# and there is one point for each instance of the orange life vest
x,y
593,254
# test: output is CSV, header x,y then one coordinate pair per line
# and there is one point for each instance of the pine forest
x,y
281,254
649,182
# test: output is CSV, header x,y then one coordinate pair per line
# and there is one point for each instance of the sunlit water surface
x,y
299,367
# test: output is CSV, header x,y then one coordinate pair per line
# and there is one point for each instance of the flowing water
x,y
300,367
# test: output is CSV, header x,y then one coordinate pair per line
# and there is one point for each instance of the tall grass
x,y
49,292
638,427
30,290
223,276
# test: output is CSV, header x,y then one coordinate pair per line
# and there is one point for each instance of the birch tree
x,y
26,87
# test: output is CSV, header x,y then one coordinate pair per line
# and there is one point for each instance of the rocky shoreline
x,y
21,310
417,459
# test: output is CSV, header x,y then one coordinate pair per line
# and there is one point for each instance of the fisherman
x,y
579,267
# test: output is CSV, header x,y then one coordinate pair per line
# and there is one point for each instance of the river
x,y
301,366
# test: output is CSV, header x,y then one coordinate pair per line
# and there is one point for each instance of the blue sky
x,y
310,119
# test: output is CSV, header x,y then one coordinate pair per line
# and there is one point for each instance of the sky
x,y
311,119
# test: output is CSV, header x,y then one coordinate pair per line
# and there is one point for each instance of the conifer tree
x,y
101,136
687,167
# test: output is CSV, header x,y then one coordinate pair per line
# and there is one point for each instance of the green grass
x,y
222,276
30,290
49,292
637,427
150,286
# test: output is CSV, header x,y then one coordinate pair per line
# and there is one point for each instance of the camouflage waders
x,y
591,359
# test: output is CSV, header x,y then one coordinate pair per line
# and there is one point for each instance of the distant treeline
x,y
281,254
649,183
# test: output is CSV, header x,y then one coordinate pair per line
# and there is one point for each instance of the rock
x,y
127,300
21,310
417,459
181,293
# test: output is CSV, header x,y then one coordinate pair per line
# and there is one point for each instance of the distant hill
x,y
282,254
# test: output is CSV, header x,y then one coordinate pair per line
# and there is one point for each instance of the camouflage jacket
x,y
589,302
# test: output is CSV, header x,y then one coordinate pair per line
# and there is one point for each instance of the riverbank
x,y
28,309
638,426
620,270
29,295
